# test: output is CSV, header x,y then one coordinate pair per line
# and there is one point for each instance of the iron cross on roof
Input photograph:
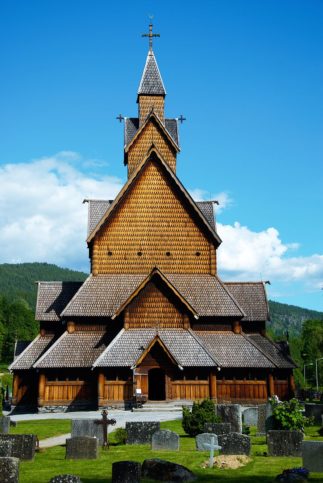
x,y
181,118
105,422
150,35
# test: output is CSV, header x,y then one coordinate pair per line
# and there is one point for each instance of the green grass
x,y
51,462
45,428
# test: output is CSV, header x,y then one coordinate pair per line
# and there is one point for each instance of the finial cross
x,y
181,118
150,35
120,118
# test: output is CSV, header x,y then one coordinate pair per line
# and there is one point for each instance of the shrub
x,y
193,421
120,436
288,415
245,429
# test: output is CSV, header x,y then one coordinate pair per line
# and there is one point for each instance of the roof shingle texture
x,y
151,82
131,126
78,349
280,359
102,295
128,346
52,298
251,296
233,350
32,353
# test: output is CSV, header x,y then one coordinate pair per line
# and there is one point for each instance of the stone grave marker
x,y
23,445
126,472
269,423
212,446
5,449
312,453
261,421
165,440
9,470
235,443
65,479
105,422
4,424
250,416
204,438
231,413
81,447
284,443
87,427
162,470
141,432
217,428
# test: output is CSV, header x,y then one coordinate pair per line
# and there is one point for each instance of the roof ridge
x,y
195,336
230,295
119,334
50,349
74,296
252,342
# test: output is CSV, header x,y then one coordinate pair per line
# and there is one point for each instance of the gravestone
x,y
250,416
165,439
9,470
161,470
284,443
212,446
87,427
231,413
314,411
269,423
23,445
261,421
204,438
126,472
4,424
81,447
235,443
65,479
141,432
217,428
312,452
5,449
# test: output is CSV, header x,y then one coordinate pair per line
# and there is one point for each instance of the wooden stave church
x,y
153,315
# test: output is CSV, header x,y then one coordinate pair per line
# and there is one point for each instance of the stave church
x,y
153,317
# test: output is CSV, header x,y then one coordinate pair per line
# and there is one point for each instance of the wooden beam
x,y
41,389
15,388
212,382
236,326
101,382
271,385
291,385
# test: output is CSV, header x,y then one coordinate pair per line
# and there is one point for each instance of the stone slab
x,y
217,428
82,447
284,443
87,427
235,444
205,438
162,470
65,479
9,470
141,432
126,472
23,445
4,424
261,421
5,449
250,416
314,411
312,453
165,440
231,413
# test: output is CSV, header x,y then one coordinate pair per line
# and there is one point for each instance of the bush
x,y
120,436
193,421
288,415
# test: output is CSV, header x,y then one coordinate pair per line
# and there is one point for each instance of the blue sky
x,y
247,75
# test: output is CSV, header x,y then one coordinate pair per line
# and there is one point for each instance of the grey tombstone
x,y
284,443
312,452
9,470
65,479
269,423
231,413
4,424
81,447
23,445
87,427
235,444
217,428
205,438
250,416
161,470
165,440
141,432
261,421
126,472
314,411
5,449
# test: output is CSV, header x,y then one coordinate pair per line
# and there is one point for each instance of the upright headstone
x,y
9,470
65,479
126,472
217,428
4,424
250,416
165,440
141,432
205,438
270,423
23,445
231,413
312,452
261,422
161,470
235,444
284,443
5,449
81,447
87,427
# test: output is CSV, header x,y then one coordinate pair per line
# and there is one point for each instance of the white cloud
x,y
42,215
223,198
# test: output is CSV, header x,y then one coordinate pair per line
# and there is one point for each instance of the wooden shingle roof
x,y
151,82
131,126
251,296
52,298
32,353
272,350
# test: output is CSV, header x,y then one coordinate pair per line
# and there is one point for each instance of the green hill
x,y
289,318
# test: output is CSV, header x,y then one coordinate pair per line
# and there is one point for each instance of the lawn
x,y
51,462
45,428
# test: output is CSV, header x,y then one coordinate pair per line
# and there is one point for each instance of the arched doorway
x,y
156,385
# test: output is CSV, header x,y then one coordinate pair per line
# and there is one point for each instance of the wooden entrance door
x,y
156,384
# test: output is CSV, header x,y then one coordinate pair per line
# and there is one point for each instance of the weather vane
x,y
150,35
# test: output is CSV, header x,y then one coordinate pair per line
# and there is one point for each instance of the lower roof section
x,y
33,351
272,350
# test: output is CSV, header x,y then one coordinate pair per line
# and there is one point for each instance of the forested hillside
x,y
290,318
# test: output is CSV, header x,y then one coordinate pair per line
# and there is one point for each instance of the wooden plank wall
x,y
67,391
245,390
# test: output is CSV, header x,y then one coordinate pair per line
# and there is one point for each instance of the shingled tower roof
x,y
151,82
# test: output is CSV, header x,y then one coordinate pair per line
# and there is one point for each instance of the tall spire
x,y
151,82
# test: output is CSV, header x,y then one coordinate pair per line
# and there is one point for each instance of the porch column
x,y
212,383
15,388
271,385
41,389
291,385
101,382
